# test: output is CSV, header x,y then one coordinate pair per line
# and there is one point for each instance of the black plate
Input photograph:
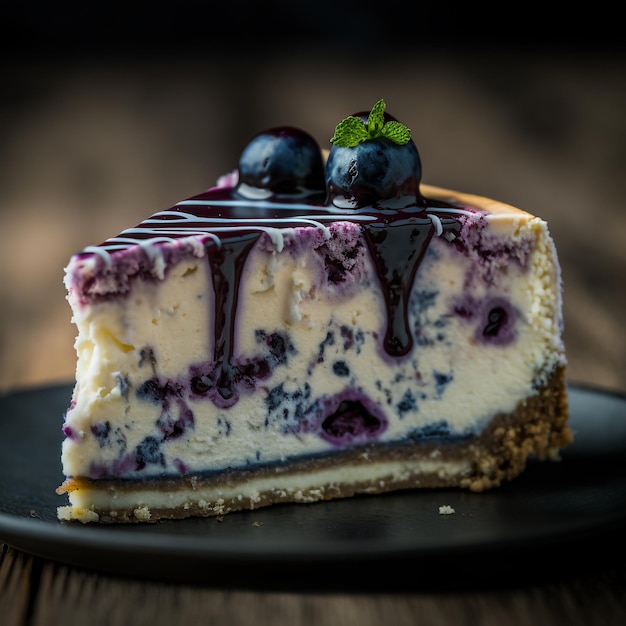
x,y
559,512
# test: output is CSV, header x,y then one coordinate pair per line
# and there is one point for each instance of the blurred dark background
x,y
111,111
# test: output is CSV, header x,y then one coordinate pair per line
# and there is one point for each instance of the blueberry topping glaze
x,y
398,250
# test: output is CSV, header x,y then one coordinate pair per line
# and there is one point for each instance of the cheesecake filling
x,y
298,342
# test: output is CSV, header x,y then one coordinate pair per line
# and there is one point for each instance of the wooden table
x,y
38,593
91,149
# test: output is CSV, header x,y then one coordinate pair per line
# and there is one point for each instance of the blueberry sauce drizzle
x,y
227,263
398,250
281,184
228,227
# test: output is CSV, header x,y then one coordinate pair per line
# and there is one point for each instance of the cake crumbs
x,y
142,513
446,509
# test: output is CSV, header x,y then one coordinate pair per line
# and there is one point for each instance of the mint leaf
x,y
376,120
352,131
396,132
349,132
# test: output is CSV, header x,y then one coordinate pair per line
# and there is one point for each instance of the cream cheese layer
x,y
207,343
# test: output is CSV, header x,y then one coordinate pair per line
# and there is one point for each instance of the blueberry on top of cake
x,y
318,325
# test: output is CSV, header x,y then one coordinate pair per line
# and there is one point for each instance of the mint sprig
x,y
352,131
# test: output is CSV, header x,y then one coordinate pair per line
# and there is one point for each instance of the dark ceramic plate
x,y
555,513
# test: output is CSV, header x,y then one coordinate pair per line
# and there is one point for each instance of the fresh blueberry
x,y
281,161
378,170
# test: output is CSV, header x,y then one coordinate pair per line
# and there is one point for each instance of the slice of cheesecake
x,y
312,329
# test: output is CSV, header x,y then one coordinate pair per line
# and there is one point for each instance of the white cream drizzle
x,y
173,222
436,223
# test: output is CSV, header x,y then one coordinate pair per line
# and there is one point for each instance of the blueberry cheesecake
x,y
317,325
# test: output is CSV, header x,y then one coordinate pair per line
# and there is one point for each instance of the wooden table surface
x,y
90,148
